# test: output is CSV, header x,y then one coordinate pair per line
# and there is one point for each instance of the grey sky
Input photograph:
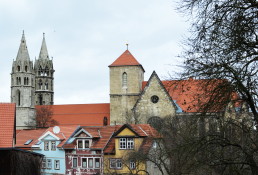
x,y
84,37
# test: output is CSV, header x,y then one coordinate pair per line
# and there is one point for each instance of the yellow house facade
x,y
126,140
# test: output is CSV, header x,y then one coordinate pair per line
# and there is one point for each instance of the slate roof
x,y
192,94
81,114
126,59
7,125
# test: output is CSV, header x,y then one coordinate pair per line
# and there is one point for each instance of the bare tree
x,y
44,117
224,45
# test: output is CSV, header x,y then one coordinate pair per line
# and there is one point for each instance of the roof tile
x,y
7,124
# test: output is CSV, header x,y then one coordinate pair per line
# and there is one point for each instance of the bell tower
x,y
126,77
44,77
22,87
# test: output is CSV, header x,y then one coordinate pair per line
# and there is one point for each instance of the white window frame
x,y
126,143
116,162
46,145
88,162
57,164
86,165
53,145
44,163
49,163
83,143
132,164
76,162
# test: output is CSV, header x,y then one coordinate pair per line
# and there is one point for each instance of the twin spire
x,y
23,53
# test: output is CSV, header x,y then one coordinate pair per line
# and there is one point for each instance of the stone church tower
x,y
23,87
44,77
31,85
126,77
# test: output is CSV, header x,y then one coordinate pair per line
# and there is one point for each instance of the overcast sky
x,y
84,37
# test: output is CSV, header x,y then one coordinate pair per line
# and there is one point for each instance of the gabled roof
x,y
146,84
143,130
23,136
64,134
100,135
7,125
126,59
80,114
192,94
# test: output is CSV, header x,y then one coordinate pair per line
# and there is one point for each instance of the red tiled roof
x,y
143,130
126,59
101,136
7,125
22,136
65,132
81,114
192,94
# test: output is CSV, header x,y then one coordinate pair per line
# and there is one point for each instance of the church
x,y
132,100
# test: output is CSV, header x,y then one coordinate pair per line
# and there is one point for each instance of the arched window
x,y
124,79
46,86
18,68
47,71
40,99
26,68
19,80
40,84
105,121
18,93
25,81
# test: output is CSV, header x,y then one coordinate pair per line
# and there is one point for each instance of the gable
x,y
154,101
126,132
83,134
49,136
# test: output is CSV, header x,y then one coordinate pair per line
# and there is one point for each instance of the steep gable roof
x,y
145,86
7,125
142,130
192,95
80,114
126,59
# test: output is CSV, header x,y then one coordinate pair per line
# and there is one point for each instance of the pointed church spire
x,y
43,51
23,53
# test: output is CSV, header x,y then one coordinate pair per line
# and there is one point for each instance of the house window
x,y
122,143
87,143
44,163
132,164
97,163
57,164
124,79
116,163
49,163
90,161
75,162
53,145
126,143
46,146
83,143
84,162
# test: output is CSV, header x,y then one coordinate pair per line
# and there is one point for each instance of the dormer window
x,y
83,143
126,143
